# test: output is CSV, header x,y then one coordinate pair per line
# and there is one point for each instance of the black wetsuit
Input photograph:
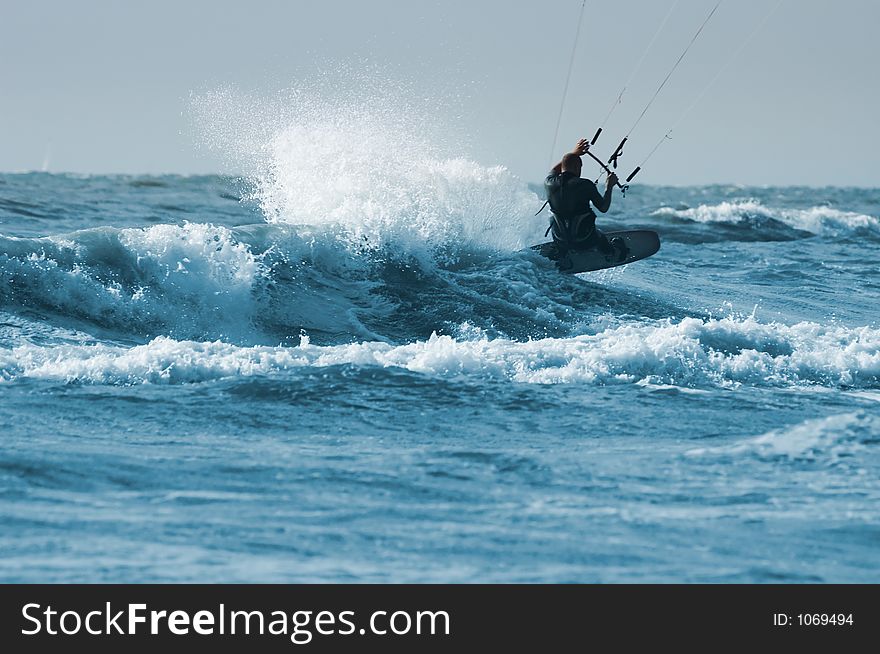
x,y
573,223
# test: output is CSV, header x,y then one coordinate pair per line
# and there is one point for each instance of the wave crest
x,y
751,213
183,280
827,440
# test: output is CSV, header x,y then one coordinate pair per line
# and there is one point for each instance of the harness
x,y
565,229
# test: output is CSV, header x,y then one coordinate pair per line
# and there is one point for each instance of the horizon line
x,y
531,183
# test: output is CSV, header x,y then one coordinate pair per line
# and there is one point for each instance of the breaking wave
x,y
830,440
772,223
188,279
691,353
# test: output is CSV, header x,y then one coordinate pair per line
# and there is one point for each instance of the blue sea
x,y
366,378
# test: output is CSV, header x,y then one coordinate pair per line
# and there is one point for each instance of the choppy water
x,y
363,378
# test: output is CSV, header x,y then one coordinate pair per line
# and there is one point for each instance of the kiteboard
x,y
641,243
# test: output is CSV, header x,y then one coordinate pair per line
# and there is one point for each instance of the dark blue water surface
x,y
207,379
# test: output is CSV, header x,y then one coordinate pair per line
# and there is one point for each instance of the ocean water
x,y
363,377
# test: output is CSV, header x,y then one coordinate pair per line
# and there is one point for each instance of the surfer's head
x,y
571,163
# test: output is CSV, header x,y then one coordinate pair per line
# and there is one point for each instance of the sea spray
x,y
373,167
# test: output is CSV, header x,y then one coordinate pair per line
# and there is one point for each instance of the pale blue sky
x,y
108,83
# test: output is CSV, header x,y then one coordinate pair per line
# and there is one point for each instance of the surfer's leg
x,y
616,247
621,249
601,243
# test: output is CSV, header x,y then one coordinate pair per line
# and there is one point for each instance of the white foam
x,y
688,353
818,220
873,396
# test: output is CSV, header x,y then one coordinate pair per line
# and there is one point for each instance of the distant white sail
x,y
47,158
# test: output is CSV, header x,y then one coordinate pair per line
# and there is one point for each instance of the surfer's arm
x,y
603,202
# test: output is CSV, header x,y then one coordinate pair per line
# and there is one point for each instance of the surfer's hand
x,y
581,148
611,181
